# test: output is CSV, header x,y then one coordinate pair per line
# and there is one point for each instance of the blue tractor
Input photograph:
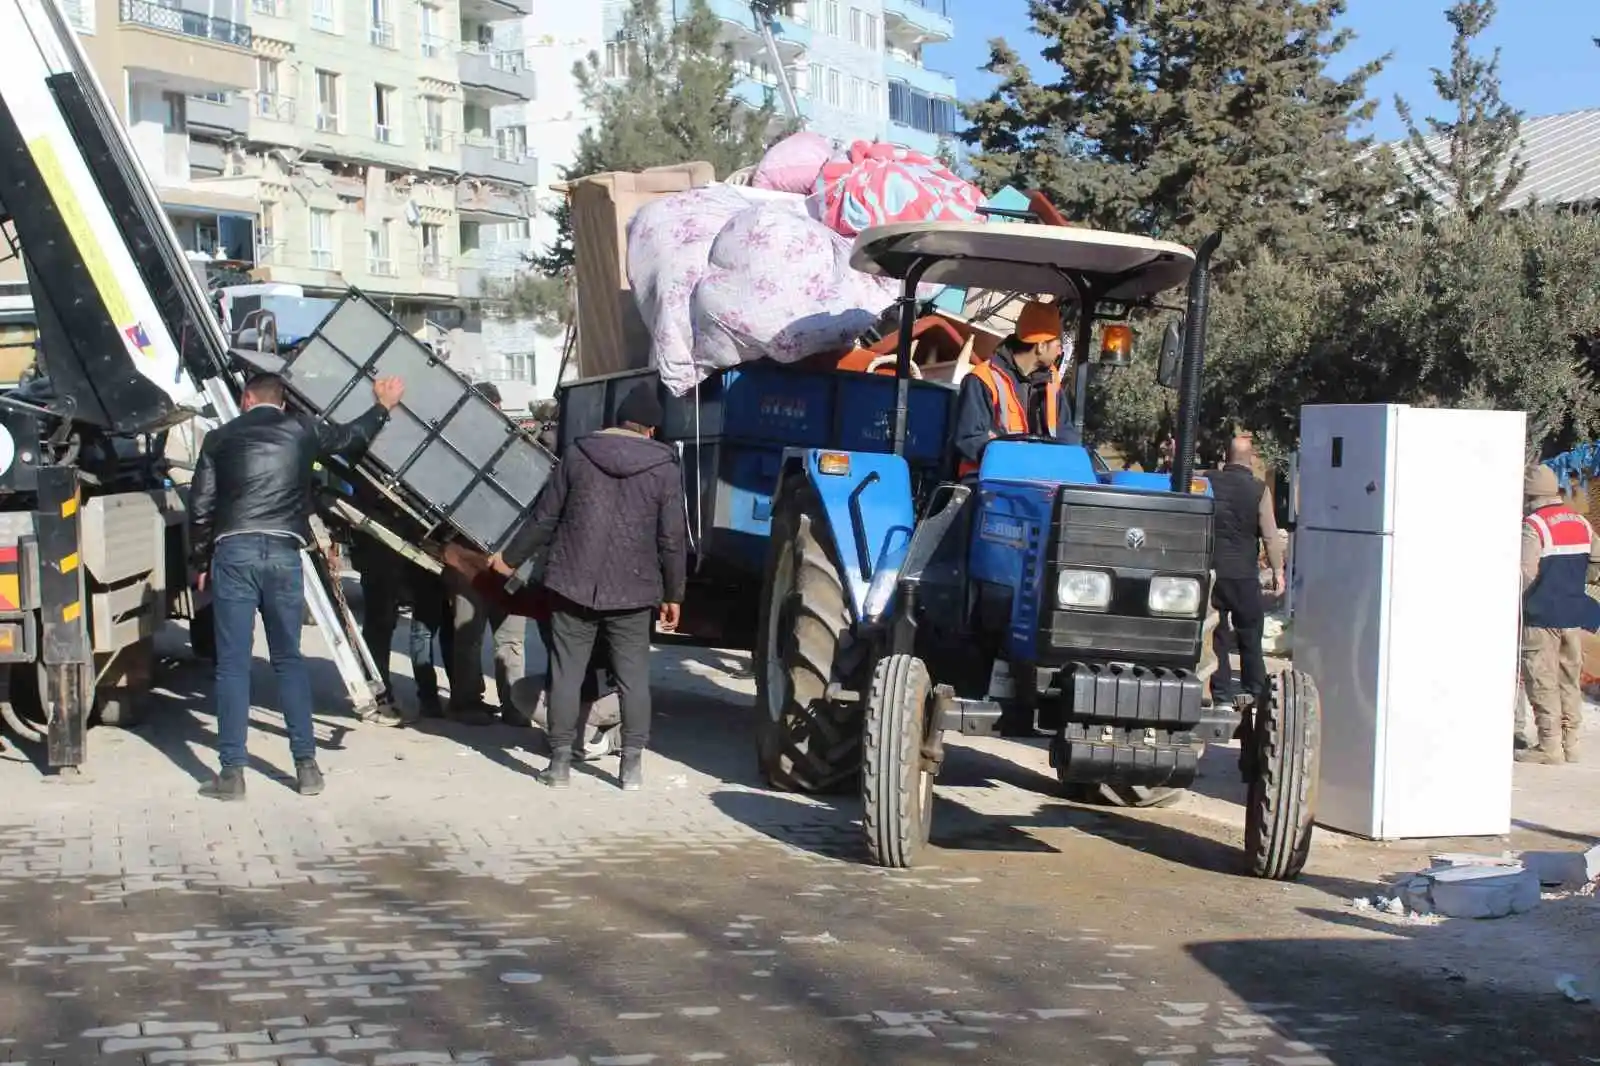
x,y
897,603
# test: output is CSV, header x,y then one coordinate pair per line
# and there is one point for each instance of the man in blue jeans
x,y
250,506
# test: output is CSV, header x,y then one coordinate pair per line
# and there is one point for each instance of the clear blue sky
x,y
1548,61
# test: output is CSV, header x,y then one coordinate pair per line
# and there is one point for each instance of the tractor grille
x,y
1102,534
1134,536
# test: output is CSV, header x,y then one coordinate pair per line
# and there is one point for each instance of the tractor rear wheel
x,y
896,780
1109,795
804,741
1280,809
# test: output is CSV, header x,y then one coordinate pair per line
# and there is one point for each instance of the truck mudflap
x,y
66,674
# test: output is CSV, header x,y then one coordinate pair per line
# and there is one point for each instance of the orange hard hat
x,y
1038,322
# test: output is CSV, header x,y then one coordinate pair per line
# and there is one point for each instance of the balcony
x,y
495,10
207,159
434,46
917,21
482,157
273,107
230,115
469,279
914,139
193,24
488,202
756,93
792,34
923,79
498,72
435,276
381,267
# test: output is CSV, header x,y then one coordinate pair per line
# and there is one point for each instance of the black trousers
x,y
380,611
1240,620
573,632
596,680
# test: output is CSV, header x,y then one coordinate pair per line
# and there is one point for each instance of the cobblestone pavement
x,y
435,905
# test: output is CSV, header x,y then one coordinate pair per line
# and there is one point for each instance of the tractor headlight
x,y
1086,589
1175,596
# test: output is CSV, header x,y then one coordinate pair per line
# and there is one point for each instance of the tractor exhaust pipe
x,y
1194,361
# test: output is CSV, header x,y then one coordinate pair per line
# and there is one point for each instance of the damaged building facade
x,y
328,143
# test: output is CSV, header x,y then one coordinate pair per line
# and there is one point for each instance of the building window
x,y
80,14
381,23
930,114
270,103
174,113
322,242
210,98
432,242
379,262
830,18
385,116
875,99
834,96
814,80
858,26
511,143
322,16
858,95
430,22
872,33
616,64
327,102
433,123
471,236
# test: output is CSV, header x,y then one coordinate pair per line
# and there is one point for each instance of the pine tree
x,y
1472,163
1175,118
674,104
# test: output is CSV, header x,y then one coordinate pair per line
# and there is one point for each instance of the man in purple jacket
x,y
616,554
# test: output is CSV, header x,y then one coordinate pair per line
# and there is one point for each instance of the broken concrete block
x,y
1565,869
1467,858
1591,864
1483,891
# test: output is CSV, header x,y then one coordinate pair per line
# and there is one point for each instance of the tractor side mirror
x,y
1170,364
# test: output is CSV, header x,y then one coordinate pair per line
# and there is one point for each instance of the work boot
x,y
632,771
1548,753
1569,743
474,716
559,773
227,786
308,777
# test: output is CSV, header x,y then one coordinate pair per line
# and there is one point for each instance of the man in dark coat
x,y
615,556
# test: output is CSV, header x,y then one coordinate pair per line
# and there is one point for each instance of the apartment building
x,y
175,78
383,141
854,68
331,143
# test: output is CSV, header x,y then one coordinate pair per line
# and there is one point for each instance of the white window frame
x,y
834,97
324,16
873,37
830,18
384,107
328,106
380,249
324,258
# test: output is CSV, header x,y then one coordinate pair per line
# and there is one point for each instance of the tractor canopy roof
x,y
1025,257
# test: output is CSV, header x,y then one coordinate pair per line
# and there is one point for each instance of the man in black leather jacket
x,y
250,505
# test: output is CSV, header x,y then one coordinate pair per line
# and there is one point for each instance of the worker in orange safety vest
x,y
1017,390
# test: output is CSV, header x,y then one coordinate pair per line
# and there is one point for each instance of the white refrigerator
x,y
1406,598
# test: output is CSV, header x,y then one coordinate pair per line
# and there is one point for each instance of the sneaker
x,y
595,744
308,777
632,771
559,773
384,714
227,786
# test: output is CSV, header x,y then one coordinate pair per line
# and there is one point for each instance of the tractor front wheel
x,y
1280,811
805,742
896,775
